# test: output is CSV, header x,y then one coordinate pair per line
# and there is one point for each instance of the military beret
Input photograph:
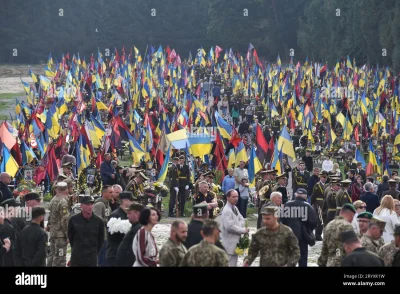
x,y
200,209
86,199
397,230
10,202
349,206
348,236
62,185
365,214
32,196
126,195
269,210
38,211
378,222
301,191
323,174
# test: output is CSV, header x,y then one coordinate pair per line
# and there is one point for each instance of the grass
x,y
10,95
3,117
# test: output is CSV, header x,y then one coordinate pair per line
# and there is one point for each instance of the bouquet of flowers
x,y
116,225
244,242
24,188
161,188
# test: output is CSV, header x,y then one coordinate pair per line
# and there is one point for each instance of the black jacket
x,y
114,240
194,236
5,191
86,237
371,200
308,161
183,175
3,250
30,249
311,183
125,256
393,193
382,187
8,231
361,257
296,222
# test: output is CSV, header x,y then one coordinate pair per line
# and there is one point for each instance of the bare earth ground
x,y
10,82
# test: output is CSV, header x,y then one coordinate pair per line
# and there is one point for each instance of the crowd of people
x,y
316,165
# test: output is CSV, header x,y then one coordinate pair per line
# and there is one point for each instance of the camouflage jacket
x,y
332,251
370,244
387,252
58,217
276,248
205,254
172,254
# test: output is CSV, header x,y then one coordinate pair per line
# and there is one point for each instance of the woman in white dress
x,y
386,212
144,245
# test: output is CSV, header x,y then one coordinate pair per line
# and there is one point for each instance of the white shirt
x,y
327,165
391,219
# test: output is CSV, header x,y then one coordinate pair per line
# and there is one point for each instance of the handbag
x,y
308,236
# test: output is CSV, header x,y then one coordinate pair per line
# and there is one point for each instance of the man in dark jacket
x,y
308,160
302,220
115,239
384,186
30,250
107,171
174,186
392,190
312,181
5,180
371,199
356,255
200,214
9,207
361,172
86,235
125,256
4,243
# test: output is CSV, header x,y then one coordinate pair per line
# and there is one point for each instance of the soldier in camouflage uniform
x,y
363,222
373,240
332,251
276,243
387,251
173,251
58,226
342,196
206,254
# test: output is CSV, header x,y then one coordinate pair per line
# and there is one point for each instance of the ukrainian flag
x,y
224,128
241,154
44,82
48,72
200,145
8,163
164,169
254,167
136,150
285,143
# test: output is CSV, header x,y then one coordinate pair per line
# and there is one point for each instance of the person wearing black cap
x,y
332,251
8,231
174,186
31,246
125,256
86,235
308,160
317,201
356,255
115,239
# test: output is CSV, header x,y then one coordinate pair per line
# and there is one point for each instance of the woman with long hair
x,y
144,245
397,208
336,171
356,189
387,213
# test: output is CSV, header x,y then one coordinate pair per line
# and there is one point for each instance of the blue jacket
x,y
372,201
106,170
228,183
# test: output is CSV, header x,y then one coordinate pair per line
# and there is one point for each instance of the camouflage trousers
x,y
58,252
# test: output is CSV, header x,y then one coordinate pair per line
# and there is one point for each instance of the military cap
x,y
378,222
336,182
301,162
61,177
126,195
365,214
143,176
175,158
38,211
349,206
200,209
323,174
62,185
397,230
301,191
281,176
262,172
137,171
392,181
135,206
10,202
348,236
182,157
210,174
308,150
67,164
346,181
268,210
86,199
32,196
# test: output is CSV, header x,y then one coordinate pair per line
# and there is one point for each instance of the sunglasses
x,y
363,207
